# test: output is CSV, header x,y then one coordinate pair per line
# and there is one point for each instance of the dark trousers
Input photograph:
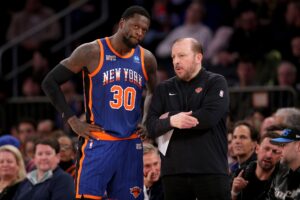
x,y
192,186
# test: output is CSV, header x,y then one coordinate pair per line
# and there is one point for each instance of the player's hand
x,y
141,131
183,120
239,183
82,128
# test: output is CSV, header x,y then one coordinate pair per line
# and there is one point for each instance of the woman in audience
x,y
12,171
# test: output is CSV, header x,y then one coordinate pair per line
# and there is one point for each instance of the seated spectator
x,y
244,142
249,37
41,63
289,116
266,123
12,171
255,180
219,42
161,24
246,72
33,14
48,181
287,75
295,57
285,30
26,128
241,105
224,63
286,184
152,165
67,154
45,127
31,87
192,27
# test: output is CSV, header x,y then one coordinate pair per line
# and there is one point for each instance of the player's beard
x,y
128,42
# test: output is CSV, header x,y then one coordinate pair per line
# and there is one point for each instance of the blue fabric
x,y
116,92
114,167
11,140
287,136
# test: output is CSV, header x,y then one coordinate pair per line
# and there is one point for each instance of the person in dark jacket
x,y
286,184
12,171
244,141
48,181
194,104
254,181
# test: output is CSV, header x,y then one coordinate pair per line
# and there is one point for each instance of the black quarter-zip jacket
x,y
202,149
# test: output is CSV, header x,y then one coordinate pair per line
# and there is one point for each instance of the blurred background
x,y
254,44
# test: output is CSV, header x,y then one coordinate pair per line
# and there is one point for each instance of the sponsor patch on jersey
x,y
198,90
135,191
110,57
221,94
136,59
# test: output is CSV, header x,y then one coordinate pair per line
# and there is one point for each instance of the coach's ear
x,y
199,57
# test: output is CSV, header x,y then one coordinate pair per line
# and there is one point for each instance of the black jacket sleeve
x,y
156,126
215,103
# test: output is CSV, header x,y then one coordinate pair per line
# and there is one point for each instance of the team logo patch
x,y
221,94
198,90
136,59
110,57
135,191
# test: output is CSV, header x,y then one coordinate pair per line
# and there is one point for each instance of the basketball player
x,y
115,71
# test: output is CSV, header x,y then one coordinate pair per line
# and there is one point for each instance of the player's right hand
x,y
83,129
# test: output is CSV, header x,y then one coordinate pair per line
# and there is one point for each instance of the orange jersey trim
x,y
85,108
105,136
143,63
80,165
115,52
92,118
101,54
78,196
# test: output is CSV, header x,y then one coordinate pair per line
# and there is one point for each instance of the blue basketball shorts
x,y
112,169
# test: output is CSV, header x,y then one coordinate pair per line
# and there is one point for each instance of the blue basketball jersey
x,y
113,92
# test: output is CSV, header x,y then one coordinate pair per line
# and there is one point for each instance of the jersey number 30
x,y
123,97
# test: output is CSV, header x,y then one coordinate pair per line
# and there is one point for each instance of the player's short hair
x,y
132,10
